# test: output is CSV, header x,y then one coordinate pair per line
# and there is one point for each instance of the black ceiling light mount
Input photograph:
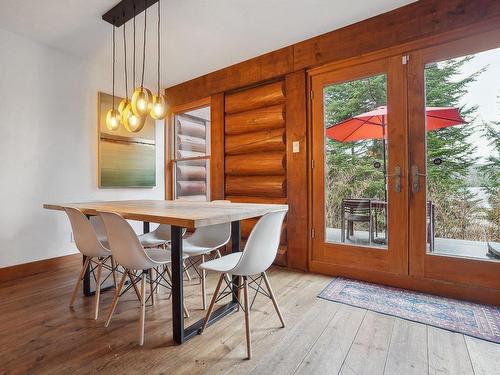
x,y
124,11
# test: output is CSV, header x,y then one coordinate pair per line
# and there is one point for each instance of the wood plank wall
x,y
255,150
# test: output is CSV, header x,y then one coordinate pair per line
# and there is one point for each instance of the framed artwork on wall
x,y
125,160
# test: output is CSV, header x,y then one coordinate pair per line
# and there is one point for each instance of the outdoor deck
x,y
443,246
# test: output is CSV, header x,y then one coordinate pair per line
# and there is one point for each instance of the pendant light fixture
x,y
113,117
133,113
141,98
159,107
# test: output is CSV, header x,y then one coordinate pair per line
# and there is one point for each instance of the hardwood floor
x,y
40,334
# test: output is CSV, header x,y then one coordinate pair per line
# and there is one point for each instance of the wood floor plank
x,y
286,358
39,334
408,349
330,350
369,350
294,307
447,353
485,356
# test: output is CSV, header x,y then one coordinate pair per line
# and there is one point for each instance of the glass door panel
x,y
463,155
454,122
356,161
359,156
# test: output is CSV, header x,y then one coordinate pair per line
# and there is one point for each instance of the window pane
x,y
463,155
191,179
192,133
355,158
192,140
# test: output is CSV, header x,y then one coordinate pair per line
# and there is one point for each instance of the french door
x,y
405,175
454,216
359,156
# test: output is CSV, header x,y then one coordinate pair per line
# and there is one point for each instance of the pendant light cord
x,y
113,75
144,42
125,59
158,81
133,59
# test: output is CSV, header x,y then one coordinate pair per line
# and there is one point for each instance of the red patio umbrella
x,y
372,124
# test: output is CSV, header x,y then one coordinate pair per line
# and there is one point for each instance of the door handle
x,y
415,175
397,175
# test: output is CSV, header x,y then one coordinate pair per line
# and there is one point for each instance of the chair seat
x,y
160,255
151,240
353,217
194,250
224,264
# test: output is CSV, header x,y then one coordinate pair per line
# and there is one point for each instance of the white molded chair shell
x,y
125,245
206,239
260,250
158,237
85,235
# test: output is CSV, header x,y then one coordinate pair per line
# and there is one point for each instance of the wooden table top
x,y
182,213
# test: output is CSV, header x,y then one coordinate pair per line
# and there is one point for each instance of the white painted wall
x,y
48,146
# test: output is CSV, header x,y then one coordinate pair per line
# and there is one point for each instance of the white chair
x,y
96,254
132,256
259,253
203,241
160,237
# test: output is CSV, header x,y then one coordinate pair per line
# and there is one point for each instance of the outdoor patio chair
x,y
356,211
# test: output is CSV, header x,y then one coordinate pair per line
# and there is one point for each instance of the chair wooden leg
x,y
79,281
132,278
238,293
186,271
113,270
151,286
143,309
97,289
247,317
203,284
273,298
212,303
116,298
217,252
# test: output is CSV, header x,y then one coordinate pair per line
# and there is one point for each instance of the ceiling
x,y
201,35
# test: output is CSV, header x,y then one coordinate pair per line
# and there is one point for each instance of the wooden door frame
x,y
483,273
394,258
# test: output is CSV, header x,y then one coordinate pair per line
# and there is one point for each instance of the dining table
x,y
180,214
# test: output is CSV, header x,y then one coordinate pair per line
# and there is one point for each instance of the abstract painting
x,y
125,160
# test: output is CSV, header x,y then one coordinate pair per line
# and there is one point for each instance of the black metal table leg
x,y
180,334
177,285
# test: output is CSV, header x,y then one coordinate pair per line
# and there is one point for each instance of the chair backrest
x,y
212,236
124,243
356,206
262,245
85,236
164,231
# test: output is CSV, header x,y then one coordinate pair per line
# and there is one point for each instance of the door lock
x,y
415,185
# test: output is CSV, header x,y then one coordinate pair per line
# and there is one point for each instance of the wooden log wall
x,y
255,150
191,142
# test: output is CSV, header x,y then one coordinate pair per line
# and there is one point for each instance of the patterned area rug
x,y
471,319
